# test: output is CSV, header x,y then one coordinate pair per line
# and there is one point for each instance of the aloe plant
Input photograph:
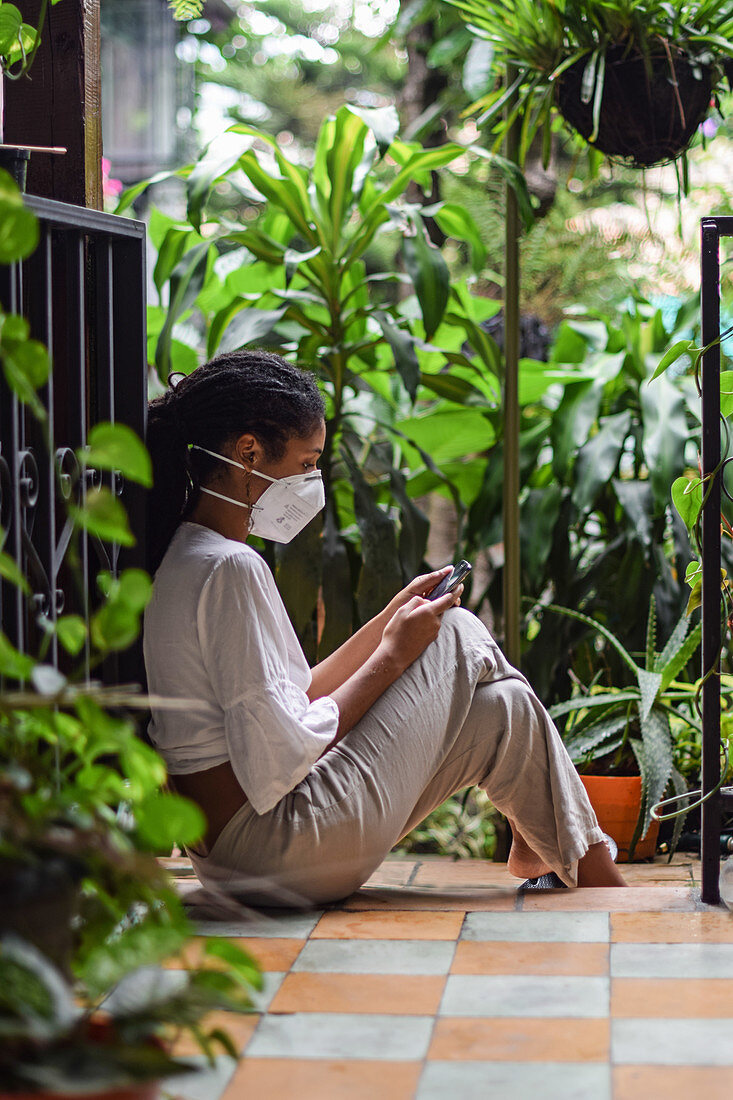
x,y
631,725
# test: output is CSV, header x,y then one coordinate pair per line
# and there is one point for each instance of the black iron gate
x,y
83,293
713,229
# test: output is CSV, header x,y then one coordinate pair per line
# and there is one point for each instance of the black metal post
x,y
711,629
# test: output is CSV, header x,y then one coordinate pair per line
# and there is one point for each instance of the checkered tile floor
x,y
438,977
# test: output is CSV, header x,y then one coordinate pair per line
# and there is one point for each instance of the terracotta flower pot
x,y
616,800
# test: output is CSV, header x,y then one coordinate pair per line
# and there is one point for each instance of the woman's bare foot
x,y
522,861
596,868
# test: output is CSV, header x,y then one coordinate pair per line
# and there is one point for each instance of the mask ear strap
x,y
231,461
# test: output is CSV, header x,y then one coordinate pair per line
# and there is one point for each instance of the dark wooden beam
x,y
59,104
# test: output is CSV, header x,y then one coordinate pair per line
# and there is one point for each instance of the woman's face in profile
x,y
301,457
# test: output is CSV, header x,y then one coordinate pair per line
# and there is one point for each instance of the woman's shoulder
x,y
201,550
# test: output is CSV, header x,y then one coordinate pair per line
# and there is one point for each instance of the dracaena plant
x,y
283,252
633,729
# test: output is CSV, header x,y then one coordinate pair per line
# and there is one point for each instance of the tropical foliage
x,y
412,379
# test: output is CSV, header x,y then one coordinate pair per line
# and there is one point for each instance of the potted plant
x,y
59,1038
635,78
624,740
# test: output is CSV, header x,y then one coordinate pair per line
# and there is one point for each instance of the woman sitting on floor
x,y
308,777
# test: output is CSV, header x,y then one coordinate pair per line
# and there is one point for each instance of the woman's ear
x,y
247,450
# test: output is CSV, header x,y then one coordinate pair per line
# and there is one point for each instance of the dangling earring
x,y
248,502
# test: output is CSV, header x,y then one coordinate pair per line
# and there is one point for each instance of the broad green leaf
x,y
414,526
687,499
539,512
14,664
598,460
449,433
117,447
249,326
206,172
665,435
402,344
635,497
536,378
103,515
71,632
726,393
455,221
186,281
342,160
164,819
380,575
299,574
478,68
337,588
384,122
10,23
170,253
10,571
134,589
430,276
283,193
682,347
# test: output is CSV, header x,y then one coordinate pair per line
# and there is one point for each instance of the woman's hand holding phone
x,y
414,626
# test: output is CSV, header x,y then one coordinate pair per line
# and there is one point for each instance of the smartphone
x,y
451,581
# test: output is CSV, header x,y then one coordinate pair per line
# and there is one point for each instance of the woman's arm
x,y
410,630
333,671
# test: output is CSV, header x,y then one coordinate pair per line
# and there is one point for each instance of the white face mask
x,y
285,507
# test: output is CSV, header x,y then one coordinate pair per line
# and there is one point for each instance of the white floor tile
x,y
558,927
376,956
679,960
672,1042
347,1035
520,995
515,1080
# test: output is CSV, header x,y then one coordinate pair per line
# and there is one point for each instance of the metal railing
x,y
718,800
83,294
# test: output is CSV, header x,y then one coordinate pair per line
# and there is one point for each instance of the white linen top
x,y
216,632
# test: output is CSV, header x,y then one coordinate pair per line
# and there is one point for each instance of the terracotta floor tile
x,y
680,998
270,954
403,994
671,1082
239,1027
392,925
632,899
705,927
520,1040
323,1080
501,957
468,873
496,899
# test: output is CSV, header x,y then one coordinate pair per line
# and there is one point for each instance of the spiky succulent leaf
x,y
673,643
651,636
649,685
602,630
580,702
679,659
657,751
679,786
595,737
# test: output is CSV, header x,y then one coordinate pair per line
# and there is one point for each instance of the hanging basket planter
x,y
650,108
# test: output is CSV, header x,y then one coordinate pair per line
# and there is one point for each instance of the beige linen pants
x,y
459,716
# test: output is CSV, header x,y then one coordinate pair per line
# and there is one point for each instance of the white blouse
x,y
217,635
